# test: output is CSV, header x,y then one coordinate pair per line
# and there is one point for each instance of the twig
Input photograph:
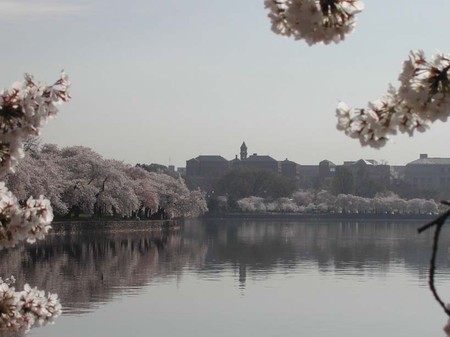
x,y
438,222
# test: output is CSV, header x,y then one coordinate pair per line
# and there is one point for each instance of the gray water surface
x,y
240,278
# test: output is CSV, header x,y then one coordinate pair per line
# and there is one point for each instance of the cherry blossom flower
x,y
425,85
315,21
30,222
20,311
423,97
24,109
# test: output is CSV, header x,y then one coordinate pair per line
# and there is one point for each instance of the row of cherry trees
x,y
78,180
324,202
74,180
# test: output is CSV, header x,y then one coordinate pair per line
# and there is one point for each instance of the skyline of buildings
x,y
430,173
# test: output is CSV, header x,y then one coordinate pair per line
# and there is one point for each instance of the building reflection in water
x,y
90,267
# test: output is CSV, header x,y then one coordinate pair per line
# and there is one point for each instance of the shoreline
x,y
322,216
120,225
113,225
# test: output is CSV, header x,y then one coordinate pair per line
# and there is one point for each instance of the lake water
x,y
240,278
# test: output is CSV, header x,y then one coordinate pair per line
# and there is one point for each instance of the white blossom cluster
x,y
422,98
325,202
22,310
24,109
315,21
30,222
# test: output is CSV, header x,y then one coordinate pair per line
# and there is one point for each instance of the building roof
x,y
326,161
288,163
430,161
209,158
259,159
235,159
369,162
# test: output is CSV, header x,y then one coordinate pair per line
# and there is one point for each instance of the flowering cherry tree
x,y
39,174
145,189
24,109
116,195
77,180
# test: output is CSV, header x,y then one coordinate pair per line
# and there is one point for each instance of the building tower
x,y
243,151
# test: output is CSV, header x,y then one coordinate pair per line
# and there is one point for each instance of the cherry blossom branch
x,y
422,98
24,109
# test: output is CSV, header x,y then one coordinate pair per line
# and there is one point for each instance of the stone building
x,y
204,171
327,170
257,162
424,173
429,173
369,169
291,170
243,151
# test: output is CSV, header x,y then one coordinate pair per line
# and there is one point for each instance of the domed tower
x,y
243,151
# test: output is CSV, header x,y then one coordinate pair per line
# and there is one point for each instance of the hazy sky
x,y
160,81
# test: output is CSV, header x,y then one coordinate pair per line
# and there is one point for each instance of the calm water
x,y
240,278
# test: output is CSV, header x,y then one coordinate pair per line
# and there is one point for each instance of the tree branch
x,y
439,223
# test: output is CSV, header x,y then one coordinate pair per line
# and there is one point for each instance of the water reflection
x,y
90,267
365,248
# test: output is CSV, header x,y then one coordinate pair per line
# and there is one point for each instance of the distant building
x,y
327,170
243,151
397,172
370,169
429,173
204,171
291,170
309,176
257,162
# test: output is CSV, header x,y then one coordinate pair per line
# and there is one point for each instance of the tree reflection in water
x,y
89,267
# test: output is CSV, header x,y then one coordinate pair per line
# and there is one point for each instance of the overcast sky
x,y
165,81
